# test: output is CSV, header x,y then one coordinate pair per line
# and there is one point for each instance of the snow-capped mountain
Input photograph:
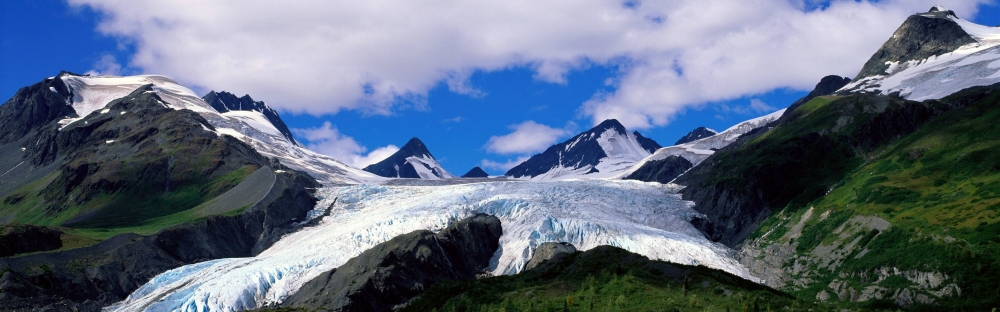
x,y
601,152
698,150
930,56
250,111
413,160
696,134
646,218
93,93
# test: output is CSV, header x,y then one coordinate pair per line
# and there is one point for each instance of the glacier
x,y
646,218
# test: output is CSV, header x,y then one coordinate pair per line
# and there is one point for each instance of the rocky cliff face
x,y
798,161
696,134
663,170
33,107
24,238
224,102
826,86
393,272
919,37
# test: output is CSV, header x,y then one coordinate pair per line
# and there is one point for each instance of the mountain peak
x,y
941,10
696,134
610,124
476,172
919,37
413,160
224,102
415,147
596,150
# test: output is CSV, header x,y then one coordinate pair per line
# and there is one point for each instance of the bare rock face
x,y
393,272
24,238
921,36
549,251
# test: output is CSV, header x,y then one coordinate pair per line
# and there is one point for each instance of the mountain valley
x,y
873,193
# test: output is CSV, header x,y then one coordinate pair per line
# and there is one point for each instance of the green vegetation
x,y
938,186
607,279
134,210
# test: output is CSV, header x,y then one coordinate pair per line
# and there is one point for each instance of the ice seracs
x,y
646,218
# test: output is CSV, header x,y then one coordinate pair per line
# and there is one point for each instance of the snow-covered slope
x,y
92,93
601,152
413,161
698,150
646,218
974,64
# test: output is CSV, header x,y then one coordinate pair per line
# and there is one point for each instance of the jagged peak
x,y
610,124
415,147
942,10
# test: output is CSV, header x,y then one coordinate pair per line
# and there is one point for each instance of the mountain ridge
x,y
413,161
587,154
223,102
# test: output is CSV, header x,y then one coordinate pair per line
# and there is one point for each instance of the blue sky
x,y
457,81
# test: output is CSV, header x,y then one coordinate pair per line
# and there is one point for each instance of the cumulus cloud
x,y
526,137
327,140
502,166
106,65
324,56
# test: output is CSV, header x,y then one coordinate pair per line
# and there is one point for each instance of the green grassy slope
x,y
938,188
139,168
607,279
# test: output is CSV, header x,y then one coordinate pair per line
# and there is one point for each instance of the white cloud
x,y
759,106
503,166
527,137
106,65
327,140
323,56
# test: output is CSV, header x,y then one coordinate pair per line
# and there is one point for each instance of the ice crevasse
x,y
646,218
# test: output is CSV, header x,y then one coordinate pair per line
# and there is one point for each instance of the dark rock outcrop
x,y
826,86
33,107
550,251
742,184
393,272
919,37
648,144
224,101
663,170
696,134
476,172
23,238
397,165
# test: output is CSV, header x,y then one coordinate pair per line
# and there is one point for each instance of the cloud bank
x,y
326,139
323,56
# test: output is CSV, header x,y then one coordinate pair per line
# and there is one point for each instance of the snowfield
x,y
698,150
646,218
